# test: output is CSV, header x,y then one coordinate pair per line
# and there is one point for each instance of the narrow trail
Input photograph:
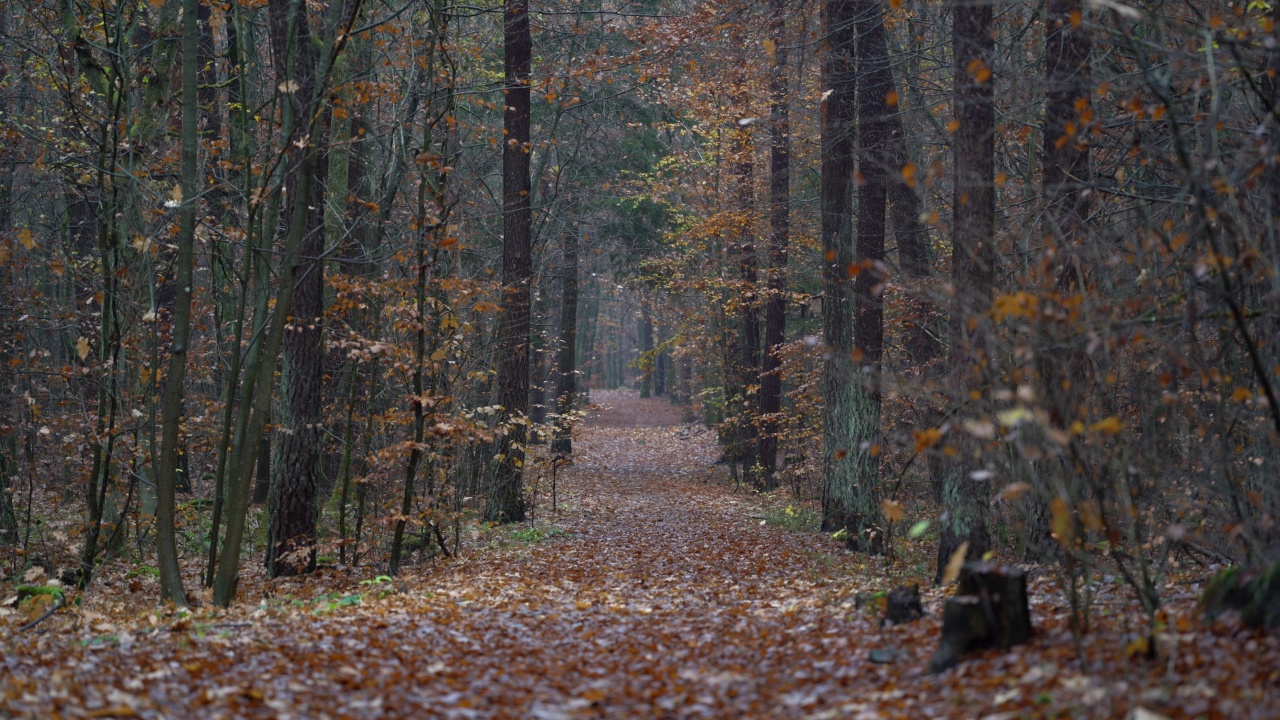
x,y
655,592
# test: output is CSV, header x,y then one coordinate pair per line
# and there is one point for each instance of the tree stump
x,y
903,605
989,611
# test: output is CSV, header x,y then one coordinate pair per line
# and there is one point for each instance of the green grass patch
x,y
793,517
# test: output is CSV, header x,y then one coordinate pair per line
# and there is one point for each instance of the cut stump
x,y
990,611
903,605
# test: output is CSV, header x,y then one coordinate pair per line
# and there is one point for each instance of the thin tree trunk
x,y
171,589
964,498
646,351
1065,179
566,366
506,499
748,354
775,322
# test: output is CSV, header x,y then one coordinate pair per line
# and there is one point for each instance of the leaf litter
x,y
658,595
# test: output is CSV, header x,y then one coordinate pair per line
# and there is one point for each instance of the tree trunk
x,y
171,589
646,351
972,260
923,341
843,497
866,526
748,355
506,499
566,366
292,501
775,310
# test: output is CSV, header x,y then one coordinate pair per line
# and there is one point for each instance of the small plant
x,y
792,517
528,535
331,602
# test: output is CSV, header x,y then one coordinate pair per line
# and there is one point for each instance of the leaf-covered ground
x,y
656,591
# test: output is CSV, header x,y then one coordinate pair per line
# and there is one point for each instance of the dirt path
x,y
654,593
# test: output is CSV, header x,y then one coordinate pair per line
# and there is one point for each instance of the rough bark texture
x,y
972,259
775,310
923,339
1066,176
840,490
865,528
506,499
291,503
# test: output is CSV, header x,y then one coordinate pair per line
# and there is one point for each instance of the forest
x,y
640,358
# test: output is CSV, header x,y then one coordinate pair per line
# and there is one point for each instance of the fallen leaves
x,y
651,592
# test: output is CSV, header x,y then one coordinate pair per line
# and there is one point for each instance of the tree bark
x,y
866,525
506,499
845,504
748,351
566,366
171,589
775,310
292,500
972,260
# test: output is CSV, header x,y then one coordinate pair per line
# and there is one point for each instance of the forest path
x,y
654,593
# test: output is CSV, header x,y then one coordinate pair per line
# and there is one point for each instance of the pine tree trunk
x,y
842,498
973,257
506,499
292,501
866,525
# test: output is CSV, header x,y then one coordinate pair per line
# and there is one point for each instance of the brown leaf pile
x,y
654,593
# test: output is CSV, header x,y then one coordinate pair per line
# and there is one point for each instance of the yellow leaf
x,y
24,237
955,563
892,510
1242,394
438,355
1015,490
1019,304
1063,530
771,48
57,267
1110,426
1138,646
582,604
82,347
289,86
1014,416
926,438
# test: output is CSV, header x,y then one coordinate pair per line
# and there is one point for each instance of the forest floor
x,y
655,591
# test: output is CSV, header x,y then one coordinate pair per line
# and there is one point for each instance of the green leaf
x,y
918,529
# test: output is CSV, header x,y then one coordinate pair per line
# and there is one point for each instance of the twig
x,y
60,603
